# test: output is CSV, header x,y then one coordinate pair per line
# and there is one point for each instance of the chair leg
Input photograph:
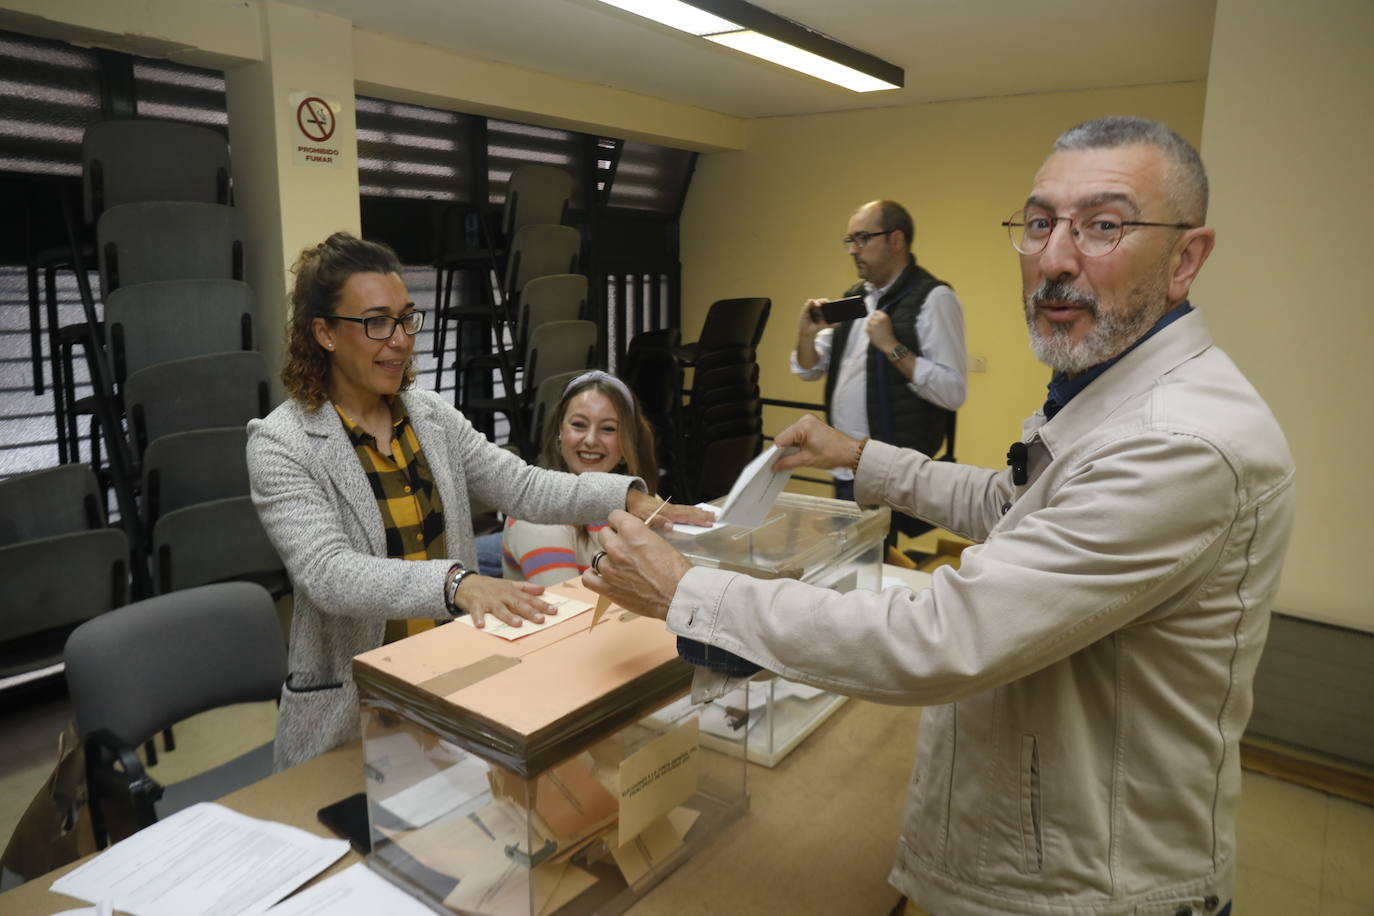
x,y
35,329
169,741
150,752
65,447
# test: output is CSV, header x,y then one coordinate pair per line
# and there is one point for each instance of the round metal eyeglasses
x,y
1095,235
381,327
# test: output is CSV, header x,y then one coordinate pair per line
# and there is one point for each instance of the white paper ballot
x,y
355,891
463,784
203,861
694,530
755,490
567,607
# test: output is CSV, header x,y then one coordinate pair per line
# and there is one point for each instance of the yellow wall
x,y
767,222
1287,139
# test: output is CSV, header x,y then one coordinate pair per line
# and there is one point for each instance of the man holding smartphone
x,y
896,368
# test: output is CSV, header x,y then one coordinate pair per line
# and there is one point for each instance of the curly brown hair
x,y
636,435
321,272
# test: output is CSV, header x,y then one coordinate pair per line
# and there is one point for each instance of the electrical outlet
x,y
978,364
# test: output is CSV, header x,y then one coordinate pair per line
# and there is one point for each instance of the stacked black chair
x,y
652,371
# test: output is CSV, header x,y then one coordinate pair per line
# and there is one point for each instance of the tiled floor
x,y
1302,853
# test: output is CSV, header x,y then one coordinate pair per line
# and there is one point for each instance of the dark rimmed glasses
x,y
381,327
1095,235
861,239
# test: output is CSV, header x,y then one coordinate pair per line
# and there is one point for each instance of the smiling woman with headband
x,y
365,486
596,426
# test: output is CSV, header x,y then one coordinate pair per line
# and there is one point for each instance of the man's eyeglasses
x,y
861,239
1095,235
381,327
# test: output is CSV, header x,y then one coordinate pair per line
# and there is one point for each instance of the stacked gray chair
x,y
143,668
61,566
132,161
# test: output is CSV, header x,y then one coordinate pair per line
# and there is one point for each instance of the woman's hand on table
x,y
643,506
506,600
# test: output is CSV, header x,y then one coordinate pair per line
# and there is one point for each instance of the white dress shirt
x,y
940,376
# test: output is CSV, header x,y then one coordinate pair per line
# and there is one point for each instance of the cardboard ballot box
x,y
827,542
525,776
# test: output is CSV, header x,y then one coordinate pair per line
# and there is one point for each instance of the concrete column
x,y
295,173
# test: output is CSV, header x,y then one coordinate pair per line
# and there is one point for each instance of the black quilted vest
x,y
896,414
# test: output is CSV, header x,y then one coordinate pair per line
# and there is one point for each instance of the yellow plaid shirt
x,y
412,511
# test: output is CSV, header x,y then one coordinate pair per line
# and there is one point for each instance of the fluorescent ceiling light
x,y
677,15
795,58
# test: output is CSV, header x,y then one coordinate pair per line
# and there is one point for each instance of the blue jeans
x,y
704,656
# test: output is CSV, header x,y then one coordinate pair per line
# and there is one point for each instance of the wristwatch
x,y
899,352
456,574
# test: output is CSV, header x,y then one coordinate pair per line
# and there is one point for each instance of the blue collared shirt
x,y
1063,389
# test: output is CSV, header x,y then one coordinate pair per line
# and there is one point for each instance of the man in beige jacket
x,y
1088,669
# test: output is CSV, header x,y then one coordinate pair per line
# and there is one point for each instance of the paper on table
x,y
567,607
205,859
755,490
355,891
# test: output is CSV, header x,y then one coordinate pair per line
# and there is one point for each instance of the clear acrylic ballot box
x,y
827,542
538,775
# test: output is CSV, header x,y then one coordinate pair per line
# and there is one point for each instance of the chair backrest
x,y
720,462
556,347
199,392
168,240
147,666
132,160
58,581
555,297
536,194
53,501
546,398
171,319
213,542
198,466
538,251
734,323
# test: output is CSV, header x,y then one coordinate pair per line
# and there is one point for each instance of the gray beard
x,y
1112,332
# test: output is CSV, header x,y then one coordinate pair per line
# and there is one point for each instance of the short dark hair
x,y
321,272
1186,178
892,216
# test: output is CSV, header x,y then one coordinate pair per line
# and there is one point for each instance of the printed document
x,y
203,861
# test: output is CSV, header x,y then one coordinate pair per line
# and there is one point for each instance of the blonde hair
x,y
636,435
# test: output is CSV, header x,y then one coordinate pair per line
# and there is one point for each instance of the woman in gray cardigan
x,y
364,485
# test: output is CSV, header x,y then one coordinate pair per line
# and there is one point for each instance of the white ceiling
x,y
950,49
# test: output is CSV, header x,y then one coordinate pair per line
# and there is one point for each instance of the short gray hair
x,y
1185,180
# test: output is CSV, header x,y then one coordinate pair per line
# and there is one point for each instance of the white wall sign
x,y
314,123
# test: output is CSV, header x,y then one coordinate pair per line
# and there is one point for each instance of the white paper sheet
x,y
694,530
755,490
203,861
355,891
567,607
462,785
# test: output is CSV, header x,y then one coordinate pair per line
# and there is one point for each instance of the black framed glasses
x,y
861,239
1096,234
381,327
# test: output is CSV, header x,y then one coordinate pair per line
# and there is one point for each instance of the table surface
x,y
819,835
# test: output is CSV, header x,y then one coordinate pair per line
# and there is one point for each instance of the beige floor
x,y
1302,853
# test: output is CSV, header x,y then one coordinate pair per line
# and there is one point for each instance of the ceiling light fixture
x,y
753,30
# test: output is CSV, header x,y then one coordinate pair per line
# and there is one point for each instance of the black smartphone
x,y
838,310
348,818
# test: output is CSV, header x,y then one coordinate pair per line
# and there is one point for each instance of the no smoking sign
x,y
316,119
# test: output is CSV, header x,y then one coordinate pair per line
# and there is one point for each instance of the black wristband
x,y
457,573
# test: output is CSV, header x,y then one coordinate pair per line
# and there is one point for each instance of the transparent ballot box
x,y
539,775
826,542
